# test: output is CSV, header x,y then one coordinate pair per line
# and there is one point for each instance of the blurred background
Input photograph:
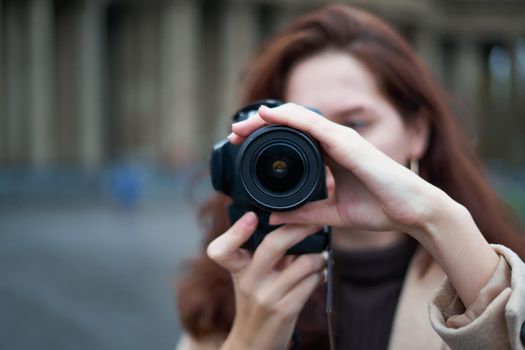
x,y
108,109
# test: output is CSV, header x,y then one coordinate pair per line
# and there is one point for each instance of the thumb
x,y
316,213
225,249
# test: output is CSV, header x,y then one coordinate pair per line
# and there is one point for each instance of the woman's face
x,y
345,91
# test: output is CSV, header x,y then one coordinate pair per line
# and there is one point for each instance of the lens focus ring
x,y
280,168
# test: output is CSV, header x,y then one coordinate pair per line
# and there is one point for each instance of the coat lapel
x,y
411,328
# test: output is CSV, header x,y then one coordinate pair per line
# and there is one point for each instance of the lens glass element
x,y
279,168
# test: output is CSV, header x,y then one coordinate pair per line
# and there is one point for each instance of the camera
x,y
277,168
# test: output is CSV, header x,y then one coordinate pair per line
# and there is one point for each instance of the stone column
x,y
90,85
3,87
428,46
147,105
16,78
209,74
286,13
239,38
515,127
520,69
123,57
41,87
512,46
468,73
65,114
519,61
178,42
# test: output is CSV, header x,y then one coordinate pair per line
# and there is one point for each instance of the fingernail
x,y
325,275
325,255
236,124
230,136
249,218
264,108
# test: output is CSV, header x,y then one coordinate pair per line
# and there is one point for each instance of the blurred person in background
x,y
427,257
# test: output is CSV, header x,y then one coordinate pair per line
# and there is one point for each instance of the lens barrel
x,y
280,168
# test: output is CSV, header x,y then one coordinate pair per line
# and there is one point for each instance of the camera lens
x,y
279,168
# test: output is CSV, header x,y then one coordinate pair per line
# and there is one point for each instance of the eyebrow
x,y
349,111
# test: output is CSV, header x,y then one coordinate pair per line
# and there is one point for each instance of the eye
x,y
356,124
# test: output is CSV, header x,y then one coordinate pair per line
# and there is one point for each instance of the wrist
x,y
241,336
233,342
447,223
440,212
451,236
237,340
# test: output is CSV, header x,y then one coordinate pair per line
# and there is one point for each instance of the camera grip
x,y
314,243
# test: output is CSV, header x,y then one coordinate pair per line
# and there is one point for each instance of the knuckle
x,y
307,264
262,301
244,288
288,313
273,242
265,305
273,309
265,302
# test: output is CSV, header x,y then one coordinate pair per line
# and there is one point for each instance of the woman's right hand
x,y
270,287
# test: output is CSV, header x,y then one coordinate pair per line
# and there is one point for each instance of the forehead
x,y
331,80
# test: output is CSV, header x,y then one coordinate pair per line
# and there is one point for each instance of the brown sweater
x,y
367,285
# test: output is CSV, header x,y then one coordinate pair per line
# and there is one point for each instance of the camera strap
x,y
296,341
330,289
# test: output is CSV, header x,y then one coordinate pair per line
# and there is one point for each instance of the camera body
x,y
277,168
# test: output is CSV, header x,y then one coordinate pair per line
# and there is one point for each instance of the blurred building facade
x,y
85,83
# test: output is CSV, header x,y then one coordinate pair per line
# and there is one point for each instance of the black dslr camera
x,y
277,168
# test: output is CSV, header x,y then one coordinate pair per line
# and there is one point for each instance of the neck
x,y
358,240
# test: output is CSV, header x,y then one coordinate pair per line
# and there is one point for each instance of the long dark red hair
x,y
205,298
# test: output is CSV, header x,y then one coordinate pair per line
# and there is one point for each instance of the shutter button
x,y
522,334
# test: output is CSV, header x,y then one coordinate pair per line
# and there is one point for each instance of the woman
x,y
397,236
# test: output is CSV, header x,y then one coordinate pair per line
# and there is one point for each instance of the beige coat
x,y
432,296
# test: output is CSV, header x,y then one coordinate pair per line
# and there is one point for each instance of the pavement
x,y
92,275
100,273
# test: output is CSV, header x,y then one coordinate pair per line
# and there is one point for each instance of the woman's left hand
x,y
373,192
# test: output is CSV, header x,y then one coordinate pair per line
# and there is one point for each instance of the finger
x,y
313,213
225,249
236,139
244,128
289,114
299,269
284,262
274,246
330,182
299,117
295,299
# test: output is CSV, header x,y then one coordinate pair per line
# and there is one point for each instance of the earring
x,y
414,165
